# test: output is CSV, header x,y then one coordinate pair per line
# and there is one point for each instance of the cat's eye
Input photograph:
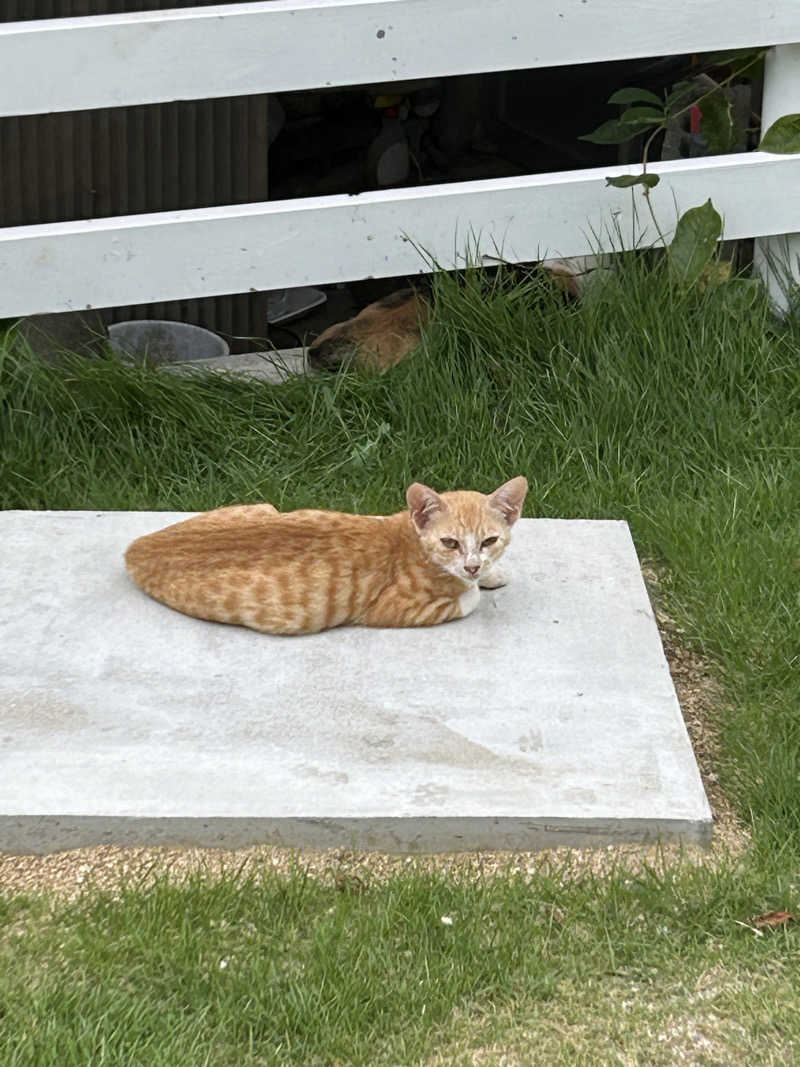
x,y
489,541
449,542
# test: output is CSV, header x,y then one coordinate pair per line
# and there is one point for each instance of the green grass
x,y
677,411
265,969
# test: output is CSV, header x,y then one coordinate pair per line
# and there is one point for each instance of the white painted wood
x,y
211,251
777,259
282,45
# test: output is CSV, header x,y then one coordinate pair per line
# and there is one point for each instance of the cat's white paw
x,y
493,578
468,601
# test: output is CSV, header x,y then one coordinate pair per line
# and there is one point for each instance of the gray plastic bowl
x,y
156,341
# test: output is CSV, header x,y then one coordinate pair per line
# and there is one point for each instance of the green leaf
x,y
642,115
695,240
635,96
625,181
732,57
783,136
717,125
615,131
611,132
681,94
739,296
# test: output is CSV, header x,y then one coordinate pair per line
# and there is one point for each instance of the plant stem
x,y
719,85
655,220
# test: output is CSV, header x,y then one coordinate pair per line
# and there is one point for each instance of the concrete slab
x,y
548,717
273,367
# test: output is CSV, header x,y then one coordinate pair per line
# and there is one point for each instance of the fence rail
x,y
246,247
283,45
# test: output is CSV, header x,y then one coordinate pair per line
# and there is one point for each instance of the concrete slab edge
x,y
42,834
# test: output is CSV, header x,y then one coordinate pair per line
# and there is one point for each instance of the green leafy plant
x,y
647,115
693,245
783,136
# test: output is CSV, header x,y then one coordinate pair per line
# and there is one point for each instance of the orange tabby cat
x,y
304,571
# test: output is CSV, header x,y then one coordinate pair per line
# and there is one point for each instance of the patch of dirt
x,y
108,867
699,694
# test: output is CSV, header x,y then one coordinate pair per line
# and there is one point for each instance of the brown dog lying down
x,y
375,339
385,332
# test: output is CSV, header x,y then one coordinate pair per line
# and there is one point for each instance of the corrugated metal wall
x,y
126,160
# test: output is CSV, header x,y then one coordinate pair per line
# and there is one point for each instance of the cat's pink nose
x,y
473,570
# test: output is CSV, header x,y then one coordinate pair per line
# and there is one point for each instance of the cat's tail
x,y
142,567
160,573
160,563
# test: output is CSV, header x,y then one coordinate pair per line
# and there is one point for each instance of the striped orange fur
x,y
299,572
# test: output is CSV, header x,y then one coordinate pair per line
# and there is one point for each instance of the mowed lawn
x,y
677,410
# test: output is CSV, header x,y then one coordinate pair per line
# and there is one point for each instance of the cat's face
x,y
464,533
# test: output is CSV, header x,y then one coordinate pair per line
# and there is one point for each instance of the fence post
x,y
777,259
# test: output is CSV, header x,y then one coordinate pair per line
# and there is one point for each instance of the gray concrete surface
x,y
274,367
547,717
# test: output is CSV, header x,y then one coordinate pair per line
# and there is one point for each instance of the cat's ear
x,y
509,498
424,504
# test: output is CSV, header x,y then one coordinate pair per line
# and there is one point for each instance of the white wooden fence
x,y
282,45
